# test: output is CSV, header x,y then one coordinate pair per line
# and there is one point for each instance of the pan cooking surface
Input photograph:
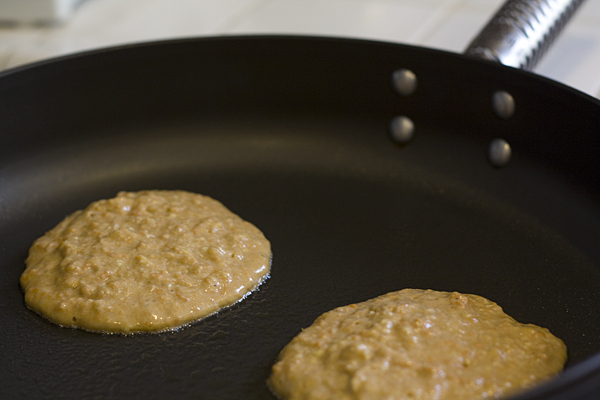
x,y
299,147
350,222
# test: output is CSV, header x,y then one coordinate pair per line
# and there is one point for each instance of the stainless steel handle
x,y
521,31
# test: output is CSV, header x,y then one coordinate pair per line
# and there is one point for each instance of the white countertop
x,y
442,24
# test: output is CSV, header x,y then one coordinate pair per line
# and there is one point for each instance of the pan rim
x,y
276,37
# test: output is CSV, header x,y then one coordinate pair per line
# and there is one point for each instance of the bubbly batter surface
x,y
144,261
416,344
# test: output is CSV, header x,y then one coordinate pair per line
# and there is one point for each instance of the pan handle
x,y
521,31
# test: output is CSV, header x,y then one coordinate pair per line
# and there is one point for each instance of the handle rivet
x,y
404,82
499,152
402,129
503,104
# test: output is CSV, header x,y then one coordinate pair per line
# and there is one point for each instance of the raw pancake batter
x,y
416,344
145,261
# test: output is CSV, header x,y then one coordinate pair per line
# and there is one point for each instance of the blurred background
x,y
33,30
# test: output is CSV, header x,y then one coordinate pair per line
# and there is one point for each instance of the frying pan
x,y
292,134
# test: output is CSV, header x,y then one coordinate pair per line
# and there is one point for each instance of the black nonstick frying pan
x,y
293,134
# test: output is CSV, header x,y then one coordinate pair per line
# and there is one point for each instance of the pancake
x,y
146,261
416,344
